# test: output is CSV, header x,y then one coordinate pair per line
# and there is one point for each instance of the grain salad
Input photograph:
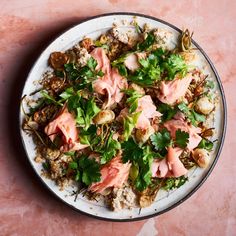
x,y
121,117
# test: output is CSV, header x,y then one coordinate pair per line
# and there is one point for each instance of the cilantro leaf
x,y
167,111
192,115
90,110
90,170
174,64
86,170
71,71
161,140
133,99
148,73
110,149
147,43
129,124
92,63
141,158
131,151
181,138
206,144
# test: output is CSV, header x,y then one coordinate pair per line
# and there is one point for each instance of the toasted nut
x,y
86,43
44,115
104,116
57,60
142,135
201,156
204,106
57,84
137,88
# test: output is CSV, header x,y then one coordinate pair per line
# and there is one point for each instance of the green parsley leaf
x,y
147,43
90,170
91,110
88,136
73,102
49,99
133,99
172,183
86,170
138,28
192,115
141,158
46,165
131,150
80,117
148,73
71,153
161,140
119,60
175,64
129,124
181,138
67,93
73,165
206,144
122,70
110,149
72,71
167,112
59,73
92,63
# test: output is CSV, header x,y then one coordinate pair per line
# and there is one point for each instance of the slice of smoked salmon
x,y
111,83
113,174
172,91
65,124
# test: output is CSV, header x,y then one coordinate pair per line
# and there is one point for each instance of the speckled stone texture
x,y
26,207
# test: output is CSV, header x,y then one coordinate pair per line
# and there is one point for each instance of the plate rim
x,y
223,132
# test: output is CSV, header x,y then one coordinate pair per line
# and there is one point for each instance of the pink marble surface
x,y
26,207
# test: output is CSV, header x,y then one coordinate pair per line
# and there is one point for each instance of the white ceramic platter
x,y
93,28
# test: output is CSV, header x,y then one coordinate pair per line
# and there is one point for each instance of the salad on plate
x,y
122,116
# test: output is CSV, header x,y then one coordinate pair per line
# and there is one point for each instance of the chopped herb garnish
x,y
192,115
129,124
142,158
86,170
206,144
132,101
181,138
172,183
147,43
161,140
167,112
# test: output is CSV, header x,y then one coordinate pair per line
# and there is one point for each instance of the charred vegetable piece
x,y
57,60
57,84
44,115
186,40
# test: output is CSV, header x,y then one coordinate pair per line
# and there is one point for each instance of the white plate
x,y
93,27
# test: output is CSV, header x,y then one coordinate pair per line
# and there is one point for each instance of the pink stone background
x,y
26,207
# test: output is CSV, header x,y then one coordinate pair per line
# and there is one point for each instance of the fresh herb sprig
x,y
85,170
142,158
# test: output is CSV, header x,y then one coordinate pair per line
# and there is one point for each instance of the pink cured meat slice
x,y
171,91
